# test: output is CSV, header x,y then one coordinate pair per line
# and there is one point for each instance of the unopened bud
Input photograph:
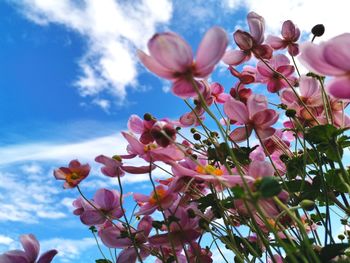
x,y
308,205
147,117
318,30
341,237
290,113
197,136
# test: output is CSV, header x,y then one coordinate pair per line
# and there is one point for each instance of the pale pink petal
x,y
256,103
135,124
59,174
145,225
110,237
31,246
240,134
92,217
256,26
264,70
210,51
236,110
127,255
152,65
184,89
171,51
280,60
275,42
106,199
265,132
235,57
134,145
339,88
312,57
308,86
263,51
259,169
47,256
336,52
265,118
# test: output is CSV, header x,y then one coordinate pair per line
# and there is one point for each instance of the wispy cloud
x,y
70,250
112,29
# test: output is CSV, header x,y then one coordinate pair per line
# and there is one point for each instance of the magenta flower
x,y
185,230
117,237
249,43
115,168
152,151
275,83
30,254
106,201
73,174
171,58
143,127
290,35
161,198
255,116
330,58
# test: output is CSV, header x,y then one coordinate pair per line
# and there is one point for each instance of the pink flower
x,y
162,198
171,58
290,33
117,237
185,230
255,116
330,58
73,174
152,151
249,43
30,254
247,76
143,127
275,83
115,168
106,201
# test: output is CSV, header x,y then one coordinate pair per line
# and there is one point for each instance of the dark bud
x,y
214,134
193,130
178,128
197,136
291,113
284,158
147,117
203,224
191,213
318,30
194,156
157,224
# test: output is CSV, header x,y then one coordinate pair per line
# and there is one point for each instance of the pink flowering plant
x,y
269,183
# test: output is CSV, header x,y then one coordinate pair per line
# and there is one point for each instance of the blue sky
x,y
69,80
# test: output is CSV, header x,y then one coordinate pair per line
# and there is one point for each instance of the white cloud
x,y
31,168
5,240
69,249
113,30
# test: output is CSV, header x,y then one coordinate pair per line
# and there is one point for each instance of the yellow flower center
x,y
149,147
157,196
209,169
72,177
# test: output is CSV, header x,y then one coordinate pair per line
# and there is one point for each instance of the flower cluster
x,y
265,196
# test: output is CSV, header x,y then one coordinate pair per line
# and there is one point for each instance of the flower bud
x,y
147,117
318,30
291,113
308,205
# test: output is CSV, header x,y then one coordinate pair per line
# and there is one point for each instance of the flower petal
x,y
340,88
171,51
210,51
152,65
256,26
235,57
31,246
275,42
336,52
127,255
240,134
47,256
236,110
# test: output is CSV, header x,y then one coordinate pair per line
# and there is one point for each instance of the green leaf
x,y
322,134
269,186
237,191
102,261
333,179
295,186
